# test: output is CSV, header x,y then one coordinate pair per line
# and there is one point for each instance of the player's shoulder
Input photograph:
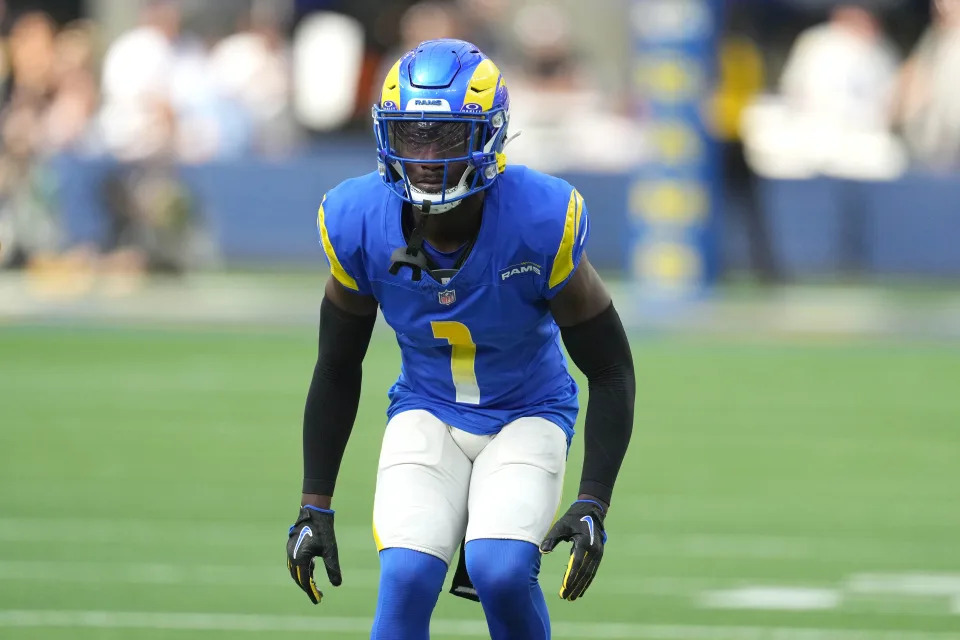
x,y
547,223
539,192
345,219
353,201
541,206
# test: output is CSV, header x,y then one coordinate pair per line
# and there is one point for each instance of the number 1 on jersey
x,y
462,359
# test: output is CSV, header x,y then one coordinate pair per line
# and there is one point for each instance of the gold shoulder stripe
x,y
563,262
336,268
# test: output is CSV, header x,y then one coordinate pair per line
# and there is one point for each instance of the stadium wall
x,y
263,211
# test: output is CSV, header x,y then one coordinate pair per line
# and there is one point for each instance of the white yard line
x,y
805,599
458,628
905,584
772,598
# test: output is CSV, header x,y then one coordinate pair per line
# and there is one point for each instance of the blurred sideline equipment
x,y
479,267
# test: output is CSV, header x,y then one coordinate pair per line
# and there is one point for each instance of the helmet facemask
x,y
436,159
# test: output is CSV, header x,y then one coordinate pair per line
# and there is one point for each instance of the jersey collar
x,y
478,258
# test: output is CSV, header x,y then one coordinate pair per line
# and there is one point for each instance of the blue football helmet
x,y
441,124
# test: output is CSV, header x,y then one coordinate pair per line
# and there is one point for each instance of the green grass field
x,y
774,491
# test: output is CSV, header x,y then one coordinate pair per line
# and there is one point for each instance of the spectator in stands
x,y
928,112
160,107
833,114
76,98
842,71
485,22
567,122
159,99
740,79
32,57
154,223
29,222
252,68
6,76
425,20
136,118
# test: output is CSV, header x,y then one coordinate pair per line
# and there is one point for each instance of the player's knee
x,y
499,582
410,583
502,569
408,575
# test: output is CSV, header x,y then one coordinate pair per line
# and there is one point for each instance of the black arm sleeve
x,y
600,349
334,395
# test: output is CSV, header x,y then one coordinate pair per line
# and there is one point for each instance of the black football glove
x,y
582,525
311,536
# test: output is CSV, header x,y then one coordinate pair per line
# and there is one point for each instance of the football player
x,y
479,267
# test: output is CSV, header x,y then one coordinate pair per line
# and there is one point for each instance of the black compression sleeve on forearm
x,y
334,395
600,349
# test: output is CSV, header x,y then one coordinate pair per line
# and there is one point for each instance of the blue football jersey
x,y
483,349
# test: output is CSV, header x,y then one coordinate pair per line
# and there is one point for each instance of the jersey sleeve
x,y
341,239
569,247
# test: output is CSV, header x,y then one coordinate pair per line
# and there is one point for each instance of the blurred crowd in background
x,y
863,89
864,93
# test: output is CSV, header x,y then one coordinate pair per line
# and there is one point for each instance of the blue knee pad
x,y
410,582
504,573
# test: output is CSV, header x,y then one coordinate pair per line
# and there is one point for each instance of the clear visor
x,y
432,140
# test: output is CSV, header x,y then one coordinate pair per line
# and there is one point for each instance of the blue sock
x,y
410,582
504,573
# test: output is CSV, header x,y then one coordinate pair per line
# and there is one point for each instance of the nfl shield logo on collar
x,y
448,297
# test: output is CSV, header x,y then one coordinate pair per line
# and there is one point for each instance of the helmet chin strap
x,y
413,255
428,208
427,202
416,258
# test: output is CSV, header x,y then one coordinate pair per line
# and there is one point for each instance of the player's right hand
x,y
312,536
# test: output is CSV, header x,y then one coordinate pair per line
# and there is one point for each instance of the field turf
x,y
781,491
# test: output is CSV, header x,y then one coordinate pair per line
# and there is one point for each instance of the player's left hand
x,y
311,536
582,525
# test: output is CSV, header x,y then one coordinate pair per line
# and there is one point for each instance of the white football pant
x,y
437,484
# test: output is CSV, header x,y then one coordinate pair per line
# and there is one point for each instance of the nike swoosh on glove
x,y
312,536
582,525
